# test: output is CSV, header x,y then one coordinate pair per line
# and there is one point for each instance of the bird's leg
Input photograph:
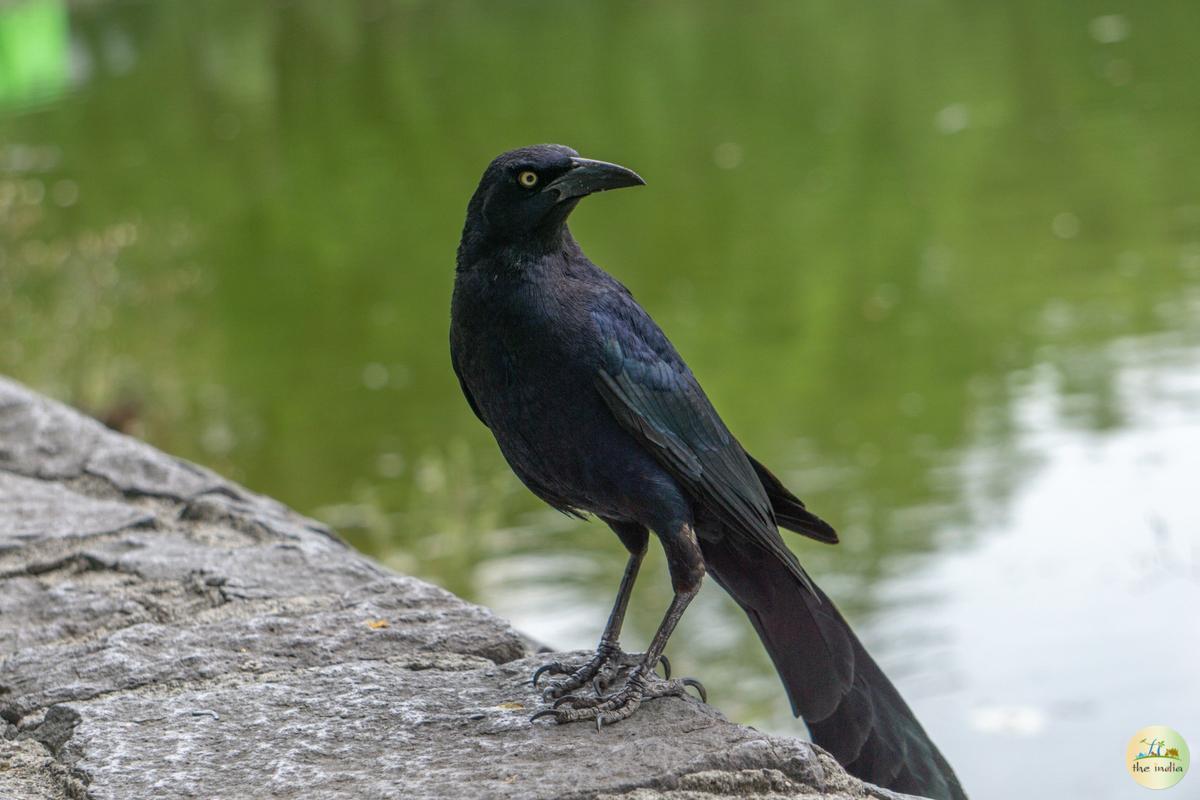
x,y
607,651
687,571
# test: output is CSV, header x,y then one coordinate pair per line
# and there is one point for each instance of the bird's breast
x,y
537,394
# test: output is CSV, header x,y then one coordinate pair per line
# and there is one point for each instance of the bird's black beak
x,y
587,176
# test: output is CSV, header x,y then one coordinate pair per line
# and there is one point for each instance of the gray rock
x,y
166,633
32,511
385,729
41,438
398,619
28,771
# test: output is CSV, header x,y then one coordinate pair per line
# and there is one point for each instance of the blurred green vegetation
x,y
233,234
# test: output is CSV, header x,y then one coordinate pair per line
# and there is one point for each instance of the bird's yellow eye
x,y
528,179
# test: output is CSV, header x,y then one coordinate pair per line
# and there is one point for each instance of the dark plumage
x,y
596,412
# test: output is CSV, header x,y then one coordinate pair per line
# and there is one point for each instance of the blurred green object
x,y
33,50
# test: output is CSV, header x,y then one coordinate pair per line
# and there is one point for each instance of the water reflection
x,y
1065,619
936,264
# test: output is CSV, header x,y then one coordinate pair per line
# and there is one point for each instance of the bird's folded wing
x,y
654,395
462,384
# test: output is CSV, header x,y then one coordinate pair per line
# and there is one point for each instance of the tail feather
x,y
851,708
789,510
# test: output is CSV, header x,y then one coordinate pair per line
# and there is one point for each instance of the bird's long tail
x,y
851,708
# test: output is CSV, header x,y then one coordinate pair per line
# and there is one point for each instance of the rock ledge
x,y
166,633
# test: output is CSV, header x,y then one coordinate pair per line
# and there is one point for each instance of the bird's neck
x,y
477,250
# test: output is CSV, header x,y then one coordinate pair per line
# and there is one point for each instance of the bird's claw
x,y
598,672
641,685
666,665
699,687
571,701
674,688
605,710
554,668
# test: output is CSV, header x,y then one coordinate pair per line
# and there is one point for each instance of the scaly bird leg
x,y
607,652
609,659
687,571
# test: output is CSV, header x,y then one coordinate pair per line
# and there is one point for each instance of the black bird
x,y
596,412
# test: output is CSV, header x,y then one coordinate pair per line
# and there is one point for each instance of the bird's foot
x,y
642,684
599,672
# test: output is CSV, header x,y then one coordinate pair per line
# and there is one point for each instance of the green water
x,y
918,253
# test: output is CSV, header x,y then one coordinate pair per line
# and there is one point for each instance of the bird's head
x,y
526,195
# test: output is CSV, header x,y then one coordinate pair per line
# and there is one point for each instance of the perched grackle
x,y
596,412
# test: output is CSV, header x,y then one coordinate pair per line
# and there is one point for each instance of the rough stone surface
x,y
30,504
166,633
